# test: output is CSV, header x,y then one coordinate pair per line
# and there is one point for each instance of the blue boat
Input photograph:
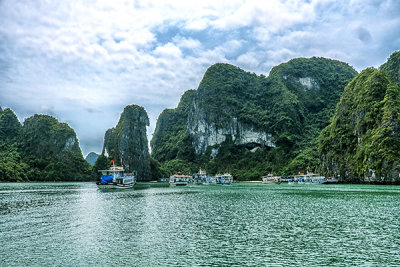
x,y
116,178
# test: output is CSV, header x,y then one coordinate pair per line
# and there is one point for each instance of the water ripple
x,y
76,224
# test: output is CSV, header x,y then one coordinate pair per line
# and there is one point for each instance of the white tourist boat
x,y
179,179
200,177
309,178
224,179
271,179
116,178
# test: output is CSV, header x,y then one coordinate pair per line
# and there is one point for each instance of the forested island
x,y
309,113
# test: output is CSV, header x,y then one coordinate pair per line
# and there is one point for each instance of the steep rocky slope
x,y
362,143
127,142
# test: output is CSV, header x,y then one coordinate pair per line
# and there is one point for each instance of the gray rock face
x,y
70,143
205,133
308,83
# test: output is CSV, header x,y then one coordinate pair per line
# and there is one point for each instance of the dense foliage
x,y
392,67
41,150
170,139
362,143
12,168
127,142
292,104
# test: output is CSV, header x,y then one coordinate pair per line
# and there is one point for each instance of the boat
x,y
200,177
271,179
179,179
285,179
224,179
308,178
116,178
331,180
210,180
313,178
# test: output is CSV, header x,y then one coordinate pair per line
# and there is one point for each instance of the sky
x,y
84,61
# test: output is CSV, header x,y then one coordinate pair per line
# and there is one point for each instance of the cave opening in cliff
x,y
253,146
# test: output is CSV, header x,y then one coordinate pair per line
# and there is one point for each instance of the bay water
x,y
245,224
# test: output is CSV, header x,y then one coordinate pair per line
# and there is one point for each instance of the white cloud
x,y
78,59
248,61
187,43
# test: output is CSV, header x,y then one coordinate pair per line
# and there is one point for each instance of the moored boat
x,y
224,179
179,180
116,178
312,178
200,177
331,180
271,179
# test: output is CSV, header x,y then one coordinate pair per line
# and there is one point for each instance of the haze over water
x,y
75,224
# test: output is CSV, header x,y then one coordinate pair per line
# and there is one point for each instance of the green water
x,y
75,224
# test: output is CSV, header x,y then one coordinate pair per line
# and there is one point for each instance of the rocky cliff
x,y
51,149
42,149
362,143
236,112
127,142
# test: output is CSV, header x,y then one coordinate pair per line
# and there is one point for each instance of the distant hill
x,y
91,158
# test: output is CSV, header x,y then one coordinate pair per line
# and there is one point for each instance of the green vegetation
x,y
41,150
392,67
362,142
170,139
293,104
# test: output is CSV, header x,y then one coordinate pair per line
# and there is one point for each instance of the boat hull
x,y
115,186
178,183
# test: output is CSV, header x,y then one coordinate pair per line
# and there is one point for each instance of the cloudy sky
x,y
84,61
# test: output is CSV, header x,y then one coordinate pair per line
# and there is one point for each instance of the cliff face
x,y
362,143
127,142
208,134
278,115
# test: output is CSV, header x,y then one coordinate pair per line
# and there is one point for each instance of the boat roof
x,y
181,175
113,169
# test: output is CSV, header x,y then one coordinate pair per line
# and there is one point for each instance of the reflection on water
x,y
76,224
